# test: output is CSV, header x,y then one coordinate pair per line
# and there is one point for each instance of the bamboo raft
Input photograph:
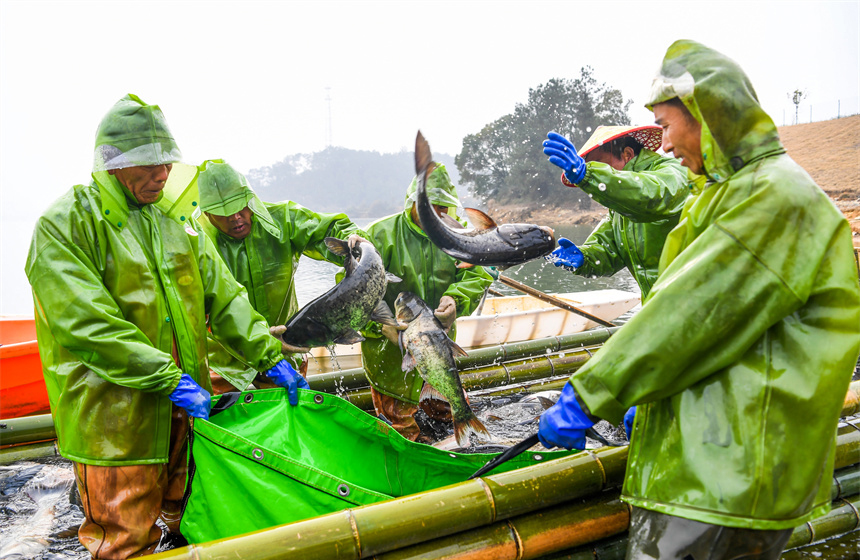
x,y
566,508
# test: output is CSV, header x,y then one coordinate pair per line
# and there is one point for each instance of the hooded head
x,y
718,94
224,192
440,190
134,134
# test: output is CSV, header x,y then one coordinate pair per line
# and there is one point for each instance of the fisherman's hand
x,y
278,332
391,333
562,153
192,397
629,416
566,255
446,312
285,376
564,423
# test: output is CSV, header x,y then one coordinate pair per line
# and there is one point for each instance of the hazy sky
x,y
246,81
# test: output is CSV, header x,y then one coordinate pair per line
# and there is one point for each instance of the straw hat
x,y
650,136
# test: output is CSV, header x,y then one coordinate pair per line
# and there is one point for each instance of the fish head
x,y
408,306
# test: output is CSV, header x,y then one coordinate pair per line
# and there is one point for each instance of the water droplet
x,y
588,129
601,187
596,262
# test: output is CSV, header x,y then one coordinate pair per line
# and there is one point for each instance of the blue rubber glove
x,y
629,416
566,255
564,423
285,376
562,153
192,397
492,271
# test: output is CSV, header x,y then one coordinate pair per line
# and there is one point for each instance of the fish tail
x,y
464,428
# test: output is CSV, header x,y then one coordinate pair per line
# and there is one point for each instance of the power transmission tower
x,y
796,97
328,117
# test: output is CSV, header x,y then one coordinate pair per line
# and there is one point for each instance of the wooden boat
x,y
507,319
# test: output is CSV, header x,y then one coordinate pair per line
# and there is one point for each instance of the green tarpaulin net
x,y
262,462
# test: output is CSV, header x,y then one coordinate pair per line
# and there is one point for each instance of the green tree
x,y
505,159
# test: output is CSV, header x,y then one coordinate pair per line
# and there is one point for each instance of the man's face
x,y
682,135
145,182
237,226
610,159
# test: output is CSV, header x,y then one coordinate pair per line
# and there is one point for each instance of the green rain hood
x,y
644,201
741,356
265,261
121,296
427,272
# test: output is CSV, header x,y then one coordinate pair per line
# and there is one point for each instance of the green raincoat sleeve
x,y
741,356
644,201
649,188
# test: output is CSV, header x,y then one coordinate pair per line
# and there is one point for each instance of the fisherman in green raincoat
x,y
261,242
434,277
643,191
741,356
122,293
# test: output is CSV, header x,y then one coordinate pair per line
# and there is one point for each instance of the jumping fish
x,y
428,349
336,316
488,244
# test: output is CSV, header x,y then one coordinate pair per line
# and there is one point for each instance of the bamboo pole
x,y
552,299
26,429
29,452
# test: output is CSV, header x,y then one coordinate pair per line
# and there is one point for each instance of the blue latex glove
x,y
562,153
192,397
564,423
285,376
566,255
629,416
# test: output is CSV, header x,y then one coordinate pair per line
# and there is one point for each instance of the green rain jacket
x,y
742,354
644,200
427,272
118,287
265,261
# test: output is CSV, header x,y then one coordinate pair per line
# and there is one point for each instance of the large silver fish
x,y
336,316
488,244
428,349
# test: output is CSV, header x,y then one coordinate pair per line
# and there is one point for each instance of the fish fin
x,y
392,278
464,265
400,342
337,246
463,429
429,393
424,164
545,402
451,222
456,348
408,363
349,337
480,220
382,314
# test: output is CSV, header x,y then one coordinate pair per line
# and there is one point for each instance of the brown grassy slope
x,y
830,153
828,150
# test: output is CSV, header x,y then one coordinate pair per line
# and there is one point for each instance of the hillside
x,y
828,150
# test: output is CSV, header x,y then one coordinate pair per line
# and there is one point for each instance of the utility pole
x,y
328,117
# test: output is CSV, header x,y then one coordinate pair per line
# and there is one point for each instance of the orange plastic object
x,y
22,386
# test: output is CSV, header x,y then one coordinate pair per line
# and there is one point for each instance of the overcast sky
x,y
247,81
